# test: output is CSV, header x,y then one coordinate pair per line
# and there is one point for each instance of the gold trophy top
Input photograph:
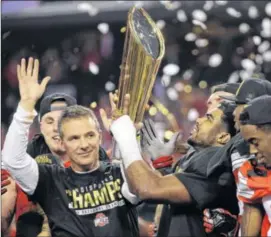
x,y
143,51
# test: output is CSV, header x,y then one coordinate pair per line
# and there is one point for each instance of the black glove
x,y
221,222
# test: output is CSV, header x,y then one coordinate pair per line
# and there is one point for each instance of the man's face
x,y
215,99
49,128
259,140
208,128
236,113
81,140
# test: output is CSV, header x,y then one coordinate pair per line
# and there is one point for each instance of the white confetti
x,y
234,77
160,24
259,59
192,114
199,15
248,64
244,28
171,69
190,37
199,23
202,42
266,28
233,12
257,39
267,56
172,94
109,86
181,16
208,5
103,28
165,80
215,60
93,68
253,12
263,46
268,9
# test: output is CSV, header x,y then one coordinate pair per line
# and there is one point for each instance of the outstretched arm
x,y
142,180
15,159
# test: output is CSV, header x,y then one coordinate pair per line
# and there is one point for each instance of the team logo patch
x,y
101,220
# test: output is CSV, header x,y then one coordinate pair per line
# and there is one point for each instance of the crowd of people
x,y
63,183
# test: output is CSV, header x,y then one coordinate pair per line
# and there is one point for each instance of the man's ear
x,y
223,138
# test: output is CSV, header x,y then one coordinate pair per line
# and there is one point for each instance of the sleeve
x,y
43,184
202,190
237,160
133,199
22,167
252,187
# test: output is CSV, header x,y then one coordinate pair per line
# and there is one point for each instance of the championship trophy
x,y
143,51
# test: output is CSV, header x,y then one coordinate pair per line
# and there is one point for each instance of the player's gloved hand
x,y
152,145
220,222
4,181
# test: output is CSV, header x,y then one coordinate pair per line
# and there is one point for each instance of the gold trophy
x,y
143,51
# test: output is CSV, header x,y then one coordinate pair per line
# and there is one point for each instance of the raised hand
x,y
107,120
30,89
115,113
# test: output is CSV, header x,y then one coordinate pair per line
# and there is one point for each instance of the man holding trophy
x,y
92,197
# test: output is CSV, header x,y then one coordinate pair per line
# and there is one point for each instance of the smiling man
x,y
90,198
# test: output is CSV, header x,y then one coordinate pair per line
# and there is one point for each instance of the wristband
x,y
162,162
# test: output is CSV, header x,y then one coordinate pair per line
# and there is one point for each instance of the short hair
x,y
76,112
228,123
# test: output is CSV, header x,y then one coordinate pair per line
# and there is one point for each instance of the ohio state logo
x,y
101,220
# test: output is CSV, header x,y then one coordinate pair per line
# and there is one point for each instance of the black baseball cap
x,y
226,87
257,111
250,89
228,108
45,105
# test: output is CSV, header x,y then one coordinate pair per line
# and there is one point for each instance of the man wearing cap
x,y
45,148
214,220
255,177
50,110
237,149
